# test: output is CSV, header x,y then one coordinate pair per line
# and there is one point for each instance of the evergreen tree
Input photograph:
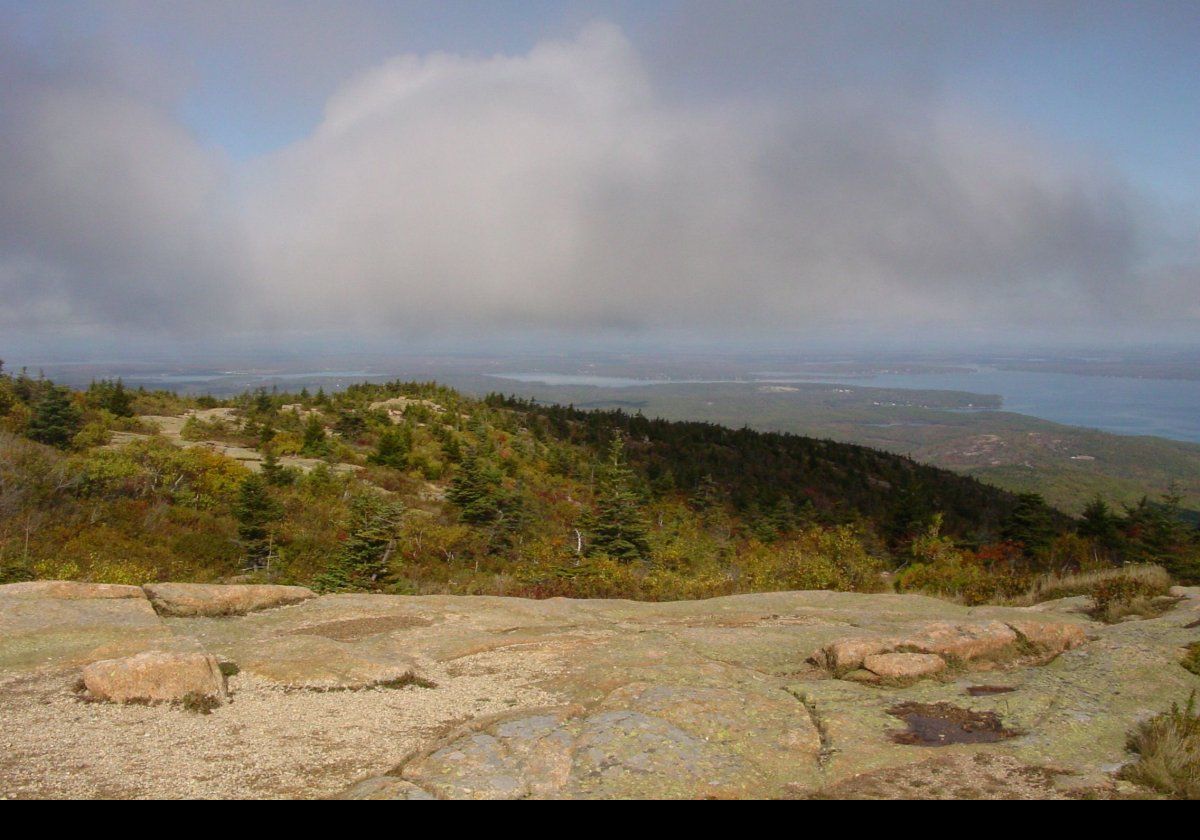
x,y
707,496
1157,533
273,472
263,404
55,419
476,490
760,525
784,516
365,557
1030,524
1099,523
911,515
112,397
351,425
452,449
120,401
393,448
8,397
618,525
315,445
256,511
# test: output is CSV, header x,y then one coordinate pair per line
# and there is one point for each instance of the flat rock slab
x,y
156,676
204,599
41,633
562,698
69,590
608,754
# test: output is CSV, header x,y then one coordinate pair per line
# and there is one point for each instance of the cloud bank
x,y
560,189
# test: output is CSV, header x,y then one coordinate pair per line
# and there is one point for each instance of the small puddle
x,y
989,690
941,724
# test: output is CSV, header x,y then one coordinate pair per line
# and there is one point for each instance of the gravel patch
x,y
266,743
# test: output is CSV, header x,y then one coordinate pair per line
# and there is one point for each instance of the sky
x,y
598,173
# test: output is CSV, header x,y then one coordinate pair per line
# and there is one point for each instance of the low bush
x,y
1120,596
1054,586
1168,752
1191,659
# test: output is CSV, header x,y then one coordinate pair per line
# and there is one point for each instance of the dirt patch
x,y
354,629
942,724
989,690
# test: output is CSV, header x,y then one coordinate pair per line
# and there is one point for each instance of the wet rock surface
x,y
747,696
944,724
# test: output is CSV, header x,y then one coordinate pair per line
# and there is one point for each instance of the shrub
x,y
816,558
1168,751
95,433
1191,659
941,569
1054,586
1116,597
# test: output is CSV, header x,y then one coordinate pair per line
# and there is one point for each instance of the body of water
x,y
1123,405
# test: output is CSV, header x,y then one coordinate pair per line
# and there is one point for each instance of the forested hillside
x,y
412,487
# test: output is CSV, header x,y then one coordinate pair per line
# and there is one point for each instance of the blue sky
x,y
1118,80
703,167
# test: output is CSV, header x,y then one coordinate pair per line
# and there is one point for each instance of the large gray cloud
x,y
111,214
555,187
561,189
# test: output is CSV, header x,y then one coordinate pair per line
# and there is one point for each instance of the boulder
x,y
962,641
69,590
206,599
155,676
904,666
848,654
1055,637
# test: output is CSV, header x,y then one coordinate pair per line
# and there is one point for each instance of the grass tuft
x,y
1168,751
1054,586
199,704
1191,659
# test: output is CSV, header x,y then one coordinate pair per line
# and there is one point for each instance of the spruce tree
x,y
112,397
364,560
274,473
476,490
1099,523
55,420
393,448
618,526
121,401
315,445
784,516
256,511
707,496
1029,525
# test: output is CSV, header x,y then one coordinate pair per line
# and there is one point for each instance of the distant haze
x,y
959,172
